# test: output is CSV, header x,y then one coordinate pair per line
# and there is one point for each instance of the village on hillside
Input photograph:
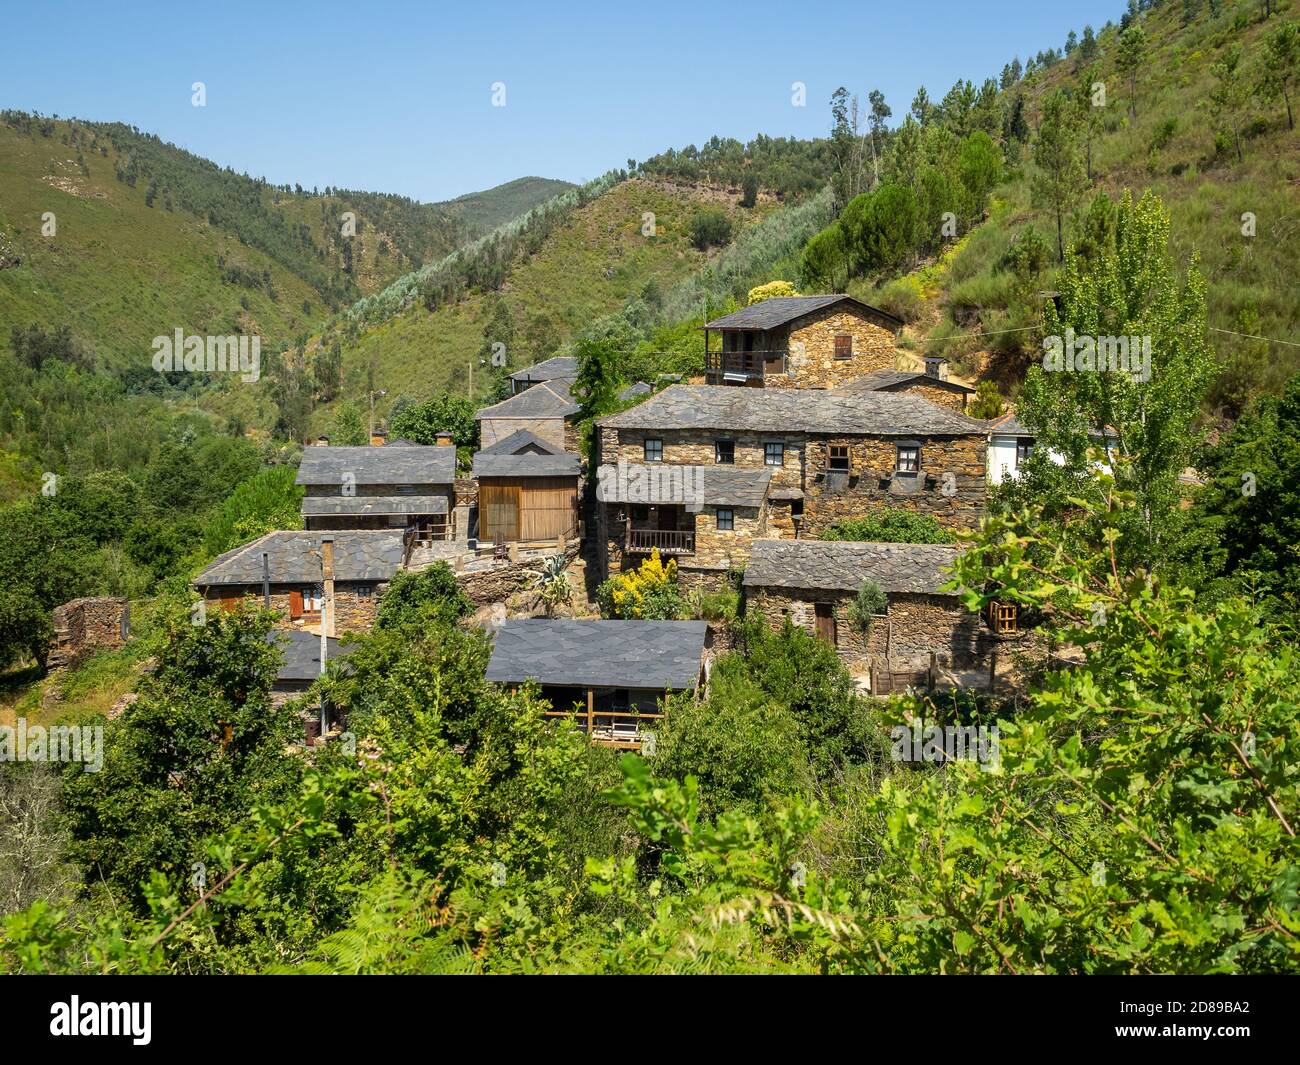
x,y
802,419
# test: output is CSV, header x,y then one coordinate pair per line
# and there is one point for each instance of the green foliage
x,y
1059,177
416,598
349,428
825,260
867,605
597,384
422,422
987,403
710,227
890,525
267,501
648,593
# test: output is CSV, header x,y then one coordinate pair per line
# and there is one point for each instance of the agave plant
x,y
551,583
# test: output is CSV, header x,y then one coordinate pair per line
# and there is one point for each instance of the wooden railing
x,y
668,541
747,363
610,728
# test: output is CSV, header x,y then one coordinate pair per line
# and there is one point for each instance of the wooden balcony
x,y
751,365
668,541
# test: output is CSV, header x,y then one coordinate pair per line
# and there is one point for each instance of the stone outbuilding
x,y
547,410
932,384
287,571
815,582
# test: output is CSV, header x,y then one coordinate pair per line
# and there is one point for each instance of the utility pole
x,y
373,394
326,617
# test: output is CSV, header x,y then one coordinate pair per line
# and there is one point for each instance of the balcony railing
x,y
625,729
749,364
668,541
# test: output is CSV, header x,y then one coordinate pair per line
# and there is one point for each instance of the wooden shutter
x,y
844,346
295,604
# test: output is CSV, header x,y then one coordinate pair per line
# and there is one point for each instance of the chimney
x,y
378,437
322,441
936,366
444,439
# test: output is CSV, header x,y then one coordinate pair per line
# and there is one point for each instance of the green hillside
x,y
483,211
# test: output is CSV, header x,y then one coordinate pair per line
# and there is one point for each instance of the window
x,y
1004,617
1024,448
843,346
654,450
724,452
726,519
909,458
313,595
837,458
774,453
365,591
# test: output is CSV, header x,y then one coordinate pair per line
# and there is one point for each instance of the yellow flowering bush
x,y
648,593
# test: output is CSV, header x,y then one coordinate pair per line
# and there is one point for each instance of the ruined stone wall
x,y
84,626
914,626
956,501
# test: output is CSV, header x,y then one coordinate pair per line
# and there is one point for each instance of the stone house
x,y
1011,443
399,486
800,342
547,410
299,572
827,456
560,368
933,384
610,676
815,582
527,490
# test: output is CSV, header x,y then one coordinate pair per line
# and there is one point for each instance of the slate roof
x,y
632,391
601,654
1009,425
550,399
402,464
780,310
547,370
525,454
882,379
302,653
361,506
657,482
842,566
359,555
799,410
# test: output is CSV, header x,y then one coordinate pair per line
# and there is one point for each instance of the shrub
x,y
891,526
988,401
869,603
710,227
415,598
648,593
771,290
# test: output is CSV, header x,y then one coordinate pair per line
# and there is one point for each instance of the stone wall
x,y
695,447
811,344
84,626
952,485
353,611
914,627
333,491
941,397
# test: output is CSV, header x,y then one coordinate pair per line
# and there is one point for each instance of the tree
x,y
710,227
881,227
597,383
422,422
267,501
1230,95
921,106
880,113
1281,66
987,403
1130,56
979,169
825,259
349,428
1130,290
1089,114
868,604
749,191
328,366
1087,46
1059,179
770,290
496,351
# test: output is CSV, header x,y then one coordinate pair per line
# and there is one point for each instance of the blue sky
x,y
396,97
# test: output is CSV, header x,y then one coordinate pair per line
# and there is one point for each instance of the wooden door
x,y
498,512
825,616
